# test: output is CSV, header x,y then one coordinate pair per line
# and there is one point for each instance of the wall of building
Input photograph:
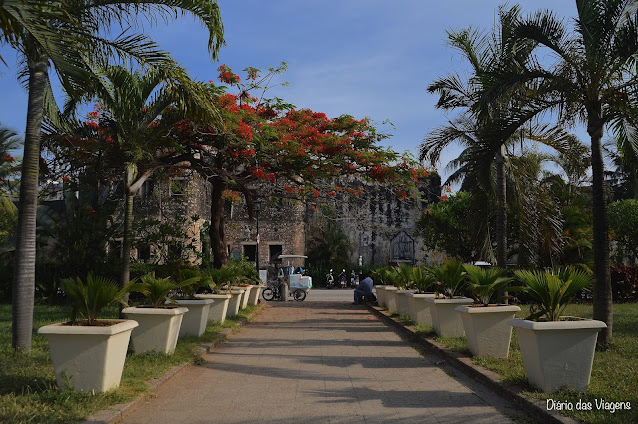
x,y
381,228
281,223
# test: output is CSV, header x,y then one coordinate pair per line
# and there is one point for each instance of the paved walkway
x,y
320,362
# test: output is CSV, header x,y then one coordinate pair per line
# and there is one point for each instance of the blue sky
x,y
361,57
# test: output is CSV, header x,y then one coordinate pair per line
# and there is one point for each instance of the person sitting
x,y
363,289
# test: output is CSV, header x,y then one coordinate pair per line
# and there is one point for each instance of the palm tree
x,y
591,80
130,104
482,172
331,247
485,133
67,36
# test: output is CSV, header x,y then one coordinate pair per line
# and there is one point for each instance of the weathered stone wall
x,y
162,201
281,223
371,222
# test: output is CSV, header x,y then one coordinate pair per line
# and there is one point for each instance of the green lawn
x,y
28,391
614,376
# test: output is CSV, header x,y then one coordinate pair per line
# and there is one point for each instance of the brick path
x,y
320,362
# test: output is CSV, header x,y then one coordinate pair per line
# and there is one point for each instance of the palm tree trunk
x,y
25,252
216,230
125,276
501,217
603,301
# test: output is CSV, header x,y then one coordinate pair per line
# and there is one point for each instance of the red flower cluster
x,y
244,131
247,153
260,174
227,76
379,172
231,196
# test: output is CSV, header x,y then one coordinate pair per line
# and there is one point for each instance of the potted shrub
x,y
219,278
249,281
450,280
486,328
423,283
391,291
159,323
382,277
557,350
235,301
88,353
403,280
194,322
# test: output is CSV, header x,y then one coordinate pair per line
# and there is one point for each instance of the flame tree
x,y
267,147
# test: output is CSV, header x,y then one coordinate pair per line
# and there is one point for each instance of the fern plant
x,y
89,299
552,290
402,276
192,280
244,271
422,279
450,277
383,275
156,290
484,283
224,278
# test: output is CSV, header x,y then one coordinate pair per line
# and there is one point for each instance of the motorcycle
x,y
354,280
330,280
343,281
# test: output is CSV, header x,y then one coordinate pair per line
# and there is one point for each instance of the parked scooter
x,y
330,280
354,279
343,280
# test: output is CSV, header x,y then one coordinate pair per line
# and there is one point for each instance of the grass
x,y
28,391
614,376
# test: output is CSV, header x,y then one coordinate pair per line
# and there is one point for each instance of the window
x,y
174,251
178,187
274,250
144,253
147,189
115,248
250,252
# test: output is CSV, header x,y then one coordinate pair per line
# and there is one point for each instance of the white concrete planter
x,y
253,299
234,302
381,296
420,309
88,358
195,320
403,305
218,310
487,330
558,353
445,320
245,296
391,298
158,328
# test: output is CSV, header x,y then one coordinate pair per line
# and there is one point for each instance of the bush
x,y
624,283
623,225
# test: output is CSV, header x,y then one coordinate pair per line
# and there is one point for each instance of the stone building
x,y
381,228
282,230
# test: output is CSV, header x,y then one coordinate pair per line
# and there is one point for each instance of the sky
x,y
365,58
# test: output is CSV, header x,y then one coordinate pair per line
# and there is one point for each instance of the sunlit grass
x,y
614,375
28,391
